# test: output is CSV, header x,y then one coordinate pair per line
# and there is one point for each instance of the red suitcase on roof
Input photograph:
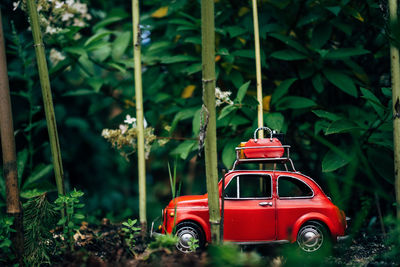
x,y
264,147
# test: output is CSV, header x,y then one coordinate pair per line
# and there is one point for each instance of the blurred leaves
x,y
325,81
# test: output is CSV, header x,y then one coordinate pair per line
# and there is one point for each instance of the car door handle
x,y
265,204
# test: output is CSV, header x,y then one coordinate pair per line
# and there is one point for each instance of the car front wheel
x,y
187,232
313,237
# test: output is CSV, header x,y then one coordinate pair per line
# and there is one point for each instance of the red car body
x,y
276,216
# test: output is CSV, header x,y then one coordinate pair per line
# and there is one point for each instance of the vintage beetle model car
x,y
261,206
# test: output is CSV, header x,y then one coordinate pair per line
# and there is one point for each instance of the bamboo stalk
x,y
8,151
47,97
139,115
395,69
208,62
258,70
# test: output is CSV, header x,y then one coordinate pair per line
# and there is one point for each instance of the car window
x,y
231,189
291,187
254,186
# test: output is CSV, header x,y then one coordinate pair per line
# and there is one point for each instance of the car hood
x,y
189,201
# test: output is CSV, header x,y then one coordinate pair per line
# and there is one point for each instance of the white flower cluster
x,y
222,97
55,15
56,56
124,138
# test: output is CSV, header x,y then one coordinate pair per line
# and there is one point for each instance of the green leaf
x,y
120,44
62,221
181,22
193,40
341,126
246,53
282,89
288,55
343,53
274,120
184,149
101,53
321,34
229,154
194,68
334,9
317,83
295,102
382,163
333,161
162,45
326,115
242,92
196,122
320,125
75,50
31,193
226,111
87,65
80,92
177,59
116,67
97,37
183,115
290,42
387,91
374,101
22,159
235,31
342,81
108,21
79,216
39,172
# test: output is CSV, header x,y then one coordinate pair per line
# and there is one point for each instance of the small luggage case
x,y
264,147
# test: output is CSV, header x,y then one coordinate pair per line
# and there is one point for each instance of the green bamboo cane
x,y
258,69
9,155
46,93
395,69
208,62
139,114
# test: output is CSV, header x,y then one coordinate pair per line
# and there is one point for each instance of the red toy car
x,y
261,206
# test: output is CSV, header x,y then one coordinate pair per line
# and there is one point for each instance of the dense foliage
x,y
326,86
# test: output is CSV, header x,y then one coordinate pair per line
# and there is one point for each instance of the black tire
x,y
314,238
187,230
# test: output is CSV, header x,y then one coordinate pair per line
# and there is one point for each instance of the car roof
x,y
277,174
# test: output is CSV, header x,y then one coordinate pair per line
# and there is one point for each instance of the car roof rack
x,y
285,159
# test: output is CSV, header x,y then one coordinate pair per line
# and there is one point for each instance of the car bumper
x,y
153,232
344,238
340,239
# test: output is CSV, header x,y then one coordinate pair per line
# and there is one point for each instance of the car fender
x,y
200,221
312,216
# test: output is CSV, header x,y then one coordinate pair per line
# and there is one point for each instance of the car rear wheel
x,y
186,232
313,237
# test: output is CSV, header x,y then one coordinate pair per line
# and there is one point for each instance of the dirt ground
x,y
104,246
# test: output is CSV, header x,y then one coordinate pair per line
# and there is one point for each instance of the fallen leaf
x,y
160,13
188,91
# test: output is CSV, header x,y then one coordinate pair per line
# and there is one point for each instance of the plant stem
x,y
139,115
258,70
8,151
208,62
47,97
395,69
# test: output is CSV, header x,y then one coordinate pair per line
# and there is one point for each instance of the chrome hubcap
x,y
185,234
310,238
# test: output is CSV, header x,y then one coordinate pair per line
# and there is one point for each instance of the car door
x,y
249,214
295,198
